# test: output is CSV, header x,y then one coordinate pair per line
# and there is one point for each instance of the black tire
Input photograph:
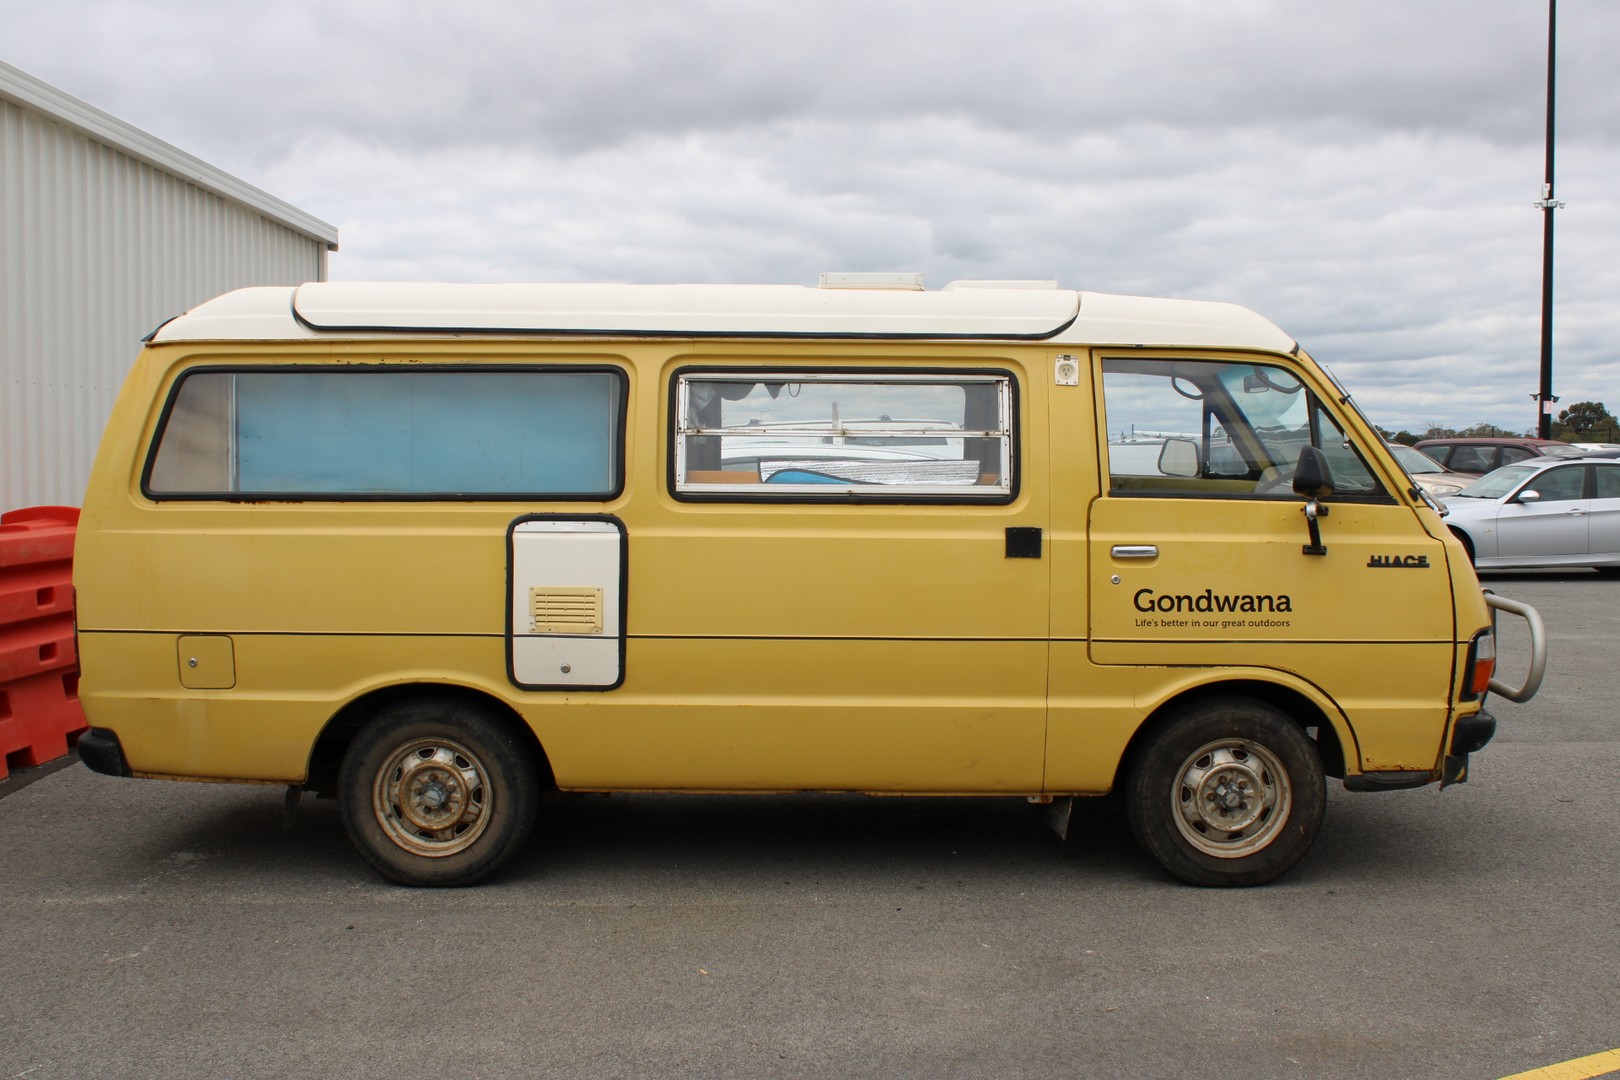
x,y
435,792
1229,792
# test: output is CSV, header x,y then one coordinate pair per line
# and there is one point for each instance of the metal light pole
x,y
1547,204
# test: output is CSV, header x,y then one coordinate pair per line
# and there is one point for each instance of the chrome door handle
x,y
1134,551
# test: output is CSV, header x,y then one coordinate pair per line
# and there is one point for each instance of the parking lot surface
x,y
176,930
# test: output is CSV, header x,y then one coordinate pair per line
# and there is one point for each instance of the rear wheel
x,y
1230,792
436,792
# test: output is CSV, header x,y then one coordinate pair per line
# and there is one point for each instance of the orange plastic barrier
x,y
40,715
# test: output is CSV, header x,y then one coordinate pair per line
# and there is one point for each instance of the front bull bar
x,y
1538,647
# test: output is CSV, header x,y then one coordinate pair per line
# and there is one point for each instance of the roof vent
x,y
906,282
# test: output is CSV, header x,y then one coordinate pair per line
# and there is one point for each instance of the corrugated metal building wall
x,y
104,233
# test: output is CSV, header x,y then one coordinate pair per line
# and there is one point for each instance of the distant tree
x,y
1488,431
1436,430
1584,417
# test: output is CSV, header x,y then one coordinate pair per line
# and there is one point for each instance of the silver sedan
x,y
1543,512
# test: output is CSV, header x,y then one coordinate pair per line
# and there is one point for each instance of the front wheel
x,y
435,792
1230,792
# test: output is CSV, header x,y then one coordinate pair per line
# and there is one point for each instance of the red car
x,y
1481,455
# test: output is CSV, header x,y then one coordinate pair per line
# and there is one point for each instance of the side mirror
x,y
1527,497
1314,480
1312,476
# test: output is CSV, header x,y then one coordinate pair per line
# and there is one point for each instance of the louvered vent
x,y
562,609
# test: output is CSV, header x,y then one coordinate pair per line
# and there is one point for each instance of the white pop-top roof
x,y
988,311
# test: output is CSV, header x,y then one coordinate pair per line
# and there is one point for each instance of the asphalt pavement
x,y
154,929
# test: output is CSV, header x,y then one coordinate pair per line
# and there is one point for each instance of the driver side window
x,y
1218,429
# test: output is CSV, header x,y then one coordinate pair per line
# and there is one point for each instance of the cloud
x,y
1360,173
571,77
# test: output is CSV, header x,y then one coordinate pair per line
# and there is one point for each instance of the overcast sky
x,y
1361,173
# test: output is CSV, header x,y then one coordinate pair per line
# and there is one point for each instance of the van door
x,y
1202,555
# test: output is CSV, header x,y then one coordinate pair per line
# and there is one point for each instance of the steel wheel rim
x,y
432,797
1231,798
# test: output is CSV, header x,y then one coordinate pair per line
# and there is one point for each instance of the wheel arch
x,y
1466,541
326,756
1332,736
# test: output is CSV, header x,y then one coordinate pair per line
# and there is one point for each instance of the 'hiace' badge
x,y
1398,562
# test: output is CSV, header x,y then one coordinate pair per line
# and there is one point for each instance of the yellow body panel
x,y
287,688
768,646
699,714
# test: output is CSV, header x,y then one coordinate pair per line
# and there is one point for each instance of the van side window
x,y
382,433
819,434
1217,428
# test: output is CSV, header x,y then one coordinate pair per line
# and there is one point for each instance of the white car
x,y
1548,511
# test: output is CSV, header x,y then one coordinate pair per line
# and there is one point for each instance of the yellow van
x,y
437,549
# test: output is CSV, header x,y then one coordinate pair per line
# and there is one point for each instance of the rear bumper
x,y
1471,734
101,752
